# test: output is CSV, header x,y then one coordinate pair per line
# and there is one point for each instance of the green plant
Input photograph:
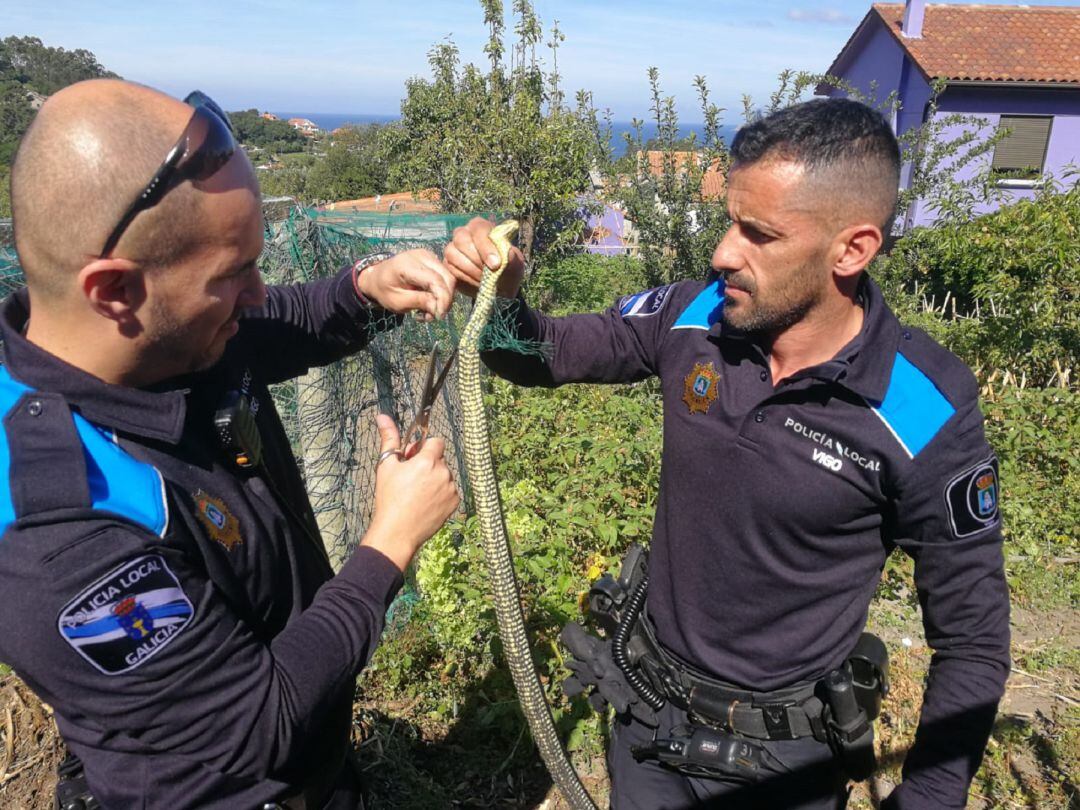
x,y
1003,291
5,192
501,139
578,469
586,283
679,218
253,130
289,178
354,166
1035,433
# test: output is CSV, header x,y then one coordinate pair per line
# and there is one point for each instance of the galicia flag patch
x,y
972,498
643,304
126,616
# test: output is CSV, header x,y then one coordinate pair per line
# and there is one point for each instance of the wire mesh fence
x,y
329,413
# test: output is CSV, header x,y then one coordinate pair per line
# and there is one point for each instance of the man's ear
x,y
854,248
114,288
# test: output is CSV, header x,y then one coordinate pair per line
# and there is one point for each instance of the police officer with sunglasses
x,y
163,585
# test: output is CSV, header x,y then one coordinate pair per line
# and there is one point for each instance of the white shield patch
x,y
126,616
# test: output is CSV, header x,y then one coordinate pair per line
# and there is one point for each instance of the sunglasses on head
x,y
205,145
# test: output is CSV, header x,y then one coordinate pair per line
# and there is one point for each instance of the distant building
x,y
404,202
269,116
610,233
712,181
305,126
1018,67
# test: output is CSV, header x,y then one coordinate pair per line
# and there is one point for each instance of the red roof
x,y
712,180
990,43
404,202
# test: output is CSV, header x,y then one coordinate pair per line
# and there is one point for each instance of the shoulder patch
x,y
913,410
118,483
705,310
127,616
644,304
972,499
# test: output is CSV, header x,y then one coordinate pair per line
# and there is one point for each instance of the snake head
x,y
500,236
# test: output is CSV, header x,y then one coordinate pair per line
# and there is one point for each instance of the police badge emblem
x,y
700,387
220,523
986,493
972,499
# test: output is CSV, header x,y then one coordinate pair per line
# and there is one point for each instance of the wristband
x,y
360,266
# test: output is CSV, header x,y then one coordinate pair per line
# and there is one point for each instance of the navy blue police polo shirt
x,y
179,613
779,504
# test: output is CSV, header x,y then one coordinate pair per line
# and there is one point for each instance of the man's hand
x,y
413,497
413,280
471,251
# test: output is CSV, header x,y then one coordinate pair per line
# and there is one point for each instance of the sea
x,y
331,121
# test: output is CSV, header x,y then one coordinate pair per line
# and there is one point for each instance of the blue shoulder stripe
x,y
118,483
914,410
705,309
10,391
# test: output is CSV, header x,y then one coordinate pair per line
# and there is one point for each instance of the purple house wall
x,y
604,232
990,103
877,64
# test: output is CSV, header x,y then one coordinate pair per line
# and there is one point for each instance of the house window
x,y
1021,153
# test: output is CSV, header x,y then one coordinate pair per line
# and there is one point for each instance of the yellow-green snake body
x,y
488,508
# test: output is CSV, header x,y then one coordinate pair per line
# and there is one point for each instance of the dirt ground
x,y
31,748
1031,762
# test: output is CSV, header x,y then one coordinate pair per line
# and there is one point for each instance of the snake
x,y
496,545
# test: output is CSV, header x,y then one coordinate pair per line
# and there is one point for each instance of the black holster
x,y
852,694
72,792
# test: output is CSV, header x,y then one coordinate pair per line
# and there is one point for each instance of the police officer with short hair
x,y
807,433
164,586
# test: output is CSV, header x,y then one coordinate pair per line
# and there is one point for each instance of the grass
x,y
479,754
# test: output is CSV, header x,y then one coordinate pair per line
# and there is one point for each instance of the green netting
x,y
329,413
10,272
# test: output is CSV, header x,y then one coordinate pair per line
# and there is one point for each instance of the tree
x,y
15,116
274,136
27,60
354,166
500,139
678,217
289,179
5,192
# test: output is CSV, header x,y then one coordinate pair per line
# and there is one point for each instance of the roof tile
x,y
993,43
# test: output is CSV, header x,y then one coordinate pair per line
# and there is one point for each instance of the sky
x,y
354,56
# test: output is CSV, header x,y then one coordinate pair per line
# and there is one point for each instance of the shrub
x,y
579,470
1002,291
1035,433
586,282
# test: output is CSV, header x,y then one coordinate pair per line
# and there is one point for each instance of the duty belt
x,y
784,714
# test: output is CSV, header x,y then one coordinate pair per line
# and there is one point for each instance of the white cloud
x,y
829,16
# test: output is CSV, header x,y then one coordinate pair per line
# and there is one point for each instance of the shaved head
x,y
90,151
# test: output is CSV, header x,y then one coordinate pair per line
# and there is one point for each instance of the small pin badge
x,y
220,523
700,387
